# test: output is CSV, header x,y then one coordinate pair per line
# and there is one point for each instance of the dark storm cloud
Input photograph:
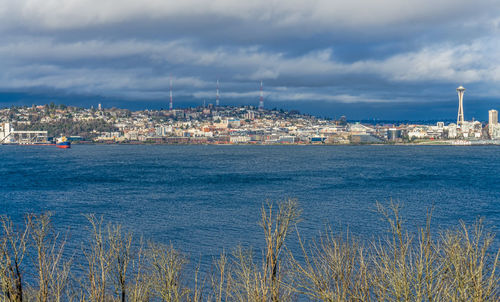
x,y
343,52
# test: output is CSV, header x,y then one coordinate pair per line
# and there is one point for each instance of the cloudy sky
x,y
385,59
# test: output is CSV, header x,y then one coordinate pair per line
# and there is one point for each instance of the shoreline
x,y
435,143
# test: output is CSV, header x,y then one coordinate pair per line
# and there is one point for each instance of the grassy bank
x,y
451,265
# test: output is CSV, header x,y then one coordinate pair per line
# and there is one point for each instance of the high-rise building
x,y
493,117
492,121
460,117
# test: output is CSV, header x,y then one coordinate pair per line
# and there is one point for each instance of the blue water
x,y
205,198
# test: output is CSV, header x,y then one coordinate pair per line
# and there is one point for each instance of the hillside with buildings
x,y
224,125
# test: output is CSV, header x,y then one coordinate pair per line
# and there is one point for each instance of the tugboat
x,y
63,143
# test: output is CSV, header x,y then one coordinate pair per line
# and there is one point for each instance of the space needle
x,y
460,117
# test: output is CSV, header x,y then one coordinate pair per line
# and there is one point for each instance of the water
x,y
205,198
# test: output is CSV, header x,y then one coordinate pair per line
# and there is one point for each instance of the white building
x,y
452,130
238,139
358,128
471,129
495,131
250,115
436,131
417,132
163,130
287,139
233,123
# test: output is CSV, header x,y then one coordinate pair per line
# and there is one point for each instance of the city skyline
x,y
399,61
227,125
443,111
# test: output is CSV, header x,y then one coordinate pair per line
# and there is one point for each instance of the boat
x,y
63,143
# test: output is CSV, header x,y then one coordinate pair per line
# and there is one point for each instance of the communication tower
x,y
261,102
217,95
171,106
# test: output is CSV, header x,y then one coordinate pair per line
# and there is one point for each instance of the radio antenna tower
x,y
171,106
460,117
217,95
261,102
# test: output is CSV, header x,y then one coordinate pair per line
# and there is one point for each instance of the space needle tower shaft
x,y
460,116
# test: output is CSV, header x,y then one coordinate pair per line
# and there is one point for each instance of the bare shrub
x,y
166,265
120,254
220,280
468,266
53,273
457,265
392,260
248,281
99,257
141,288
13,246
333,269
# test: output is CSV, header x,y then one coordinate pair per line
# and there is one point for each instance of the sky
x,y
366,59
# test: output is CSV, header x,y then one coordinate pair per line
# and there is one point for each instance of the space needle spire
x,y
261,102
460,117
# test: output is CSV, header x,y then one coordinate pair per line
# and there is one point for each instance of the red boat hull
x,y
63,146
